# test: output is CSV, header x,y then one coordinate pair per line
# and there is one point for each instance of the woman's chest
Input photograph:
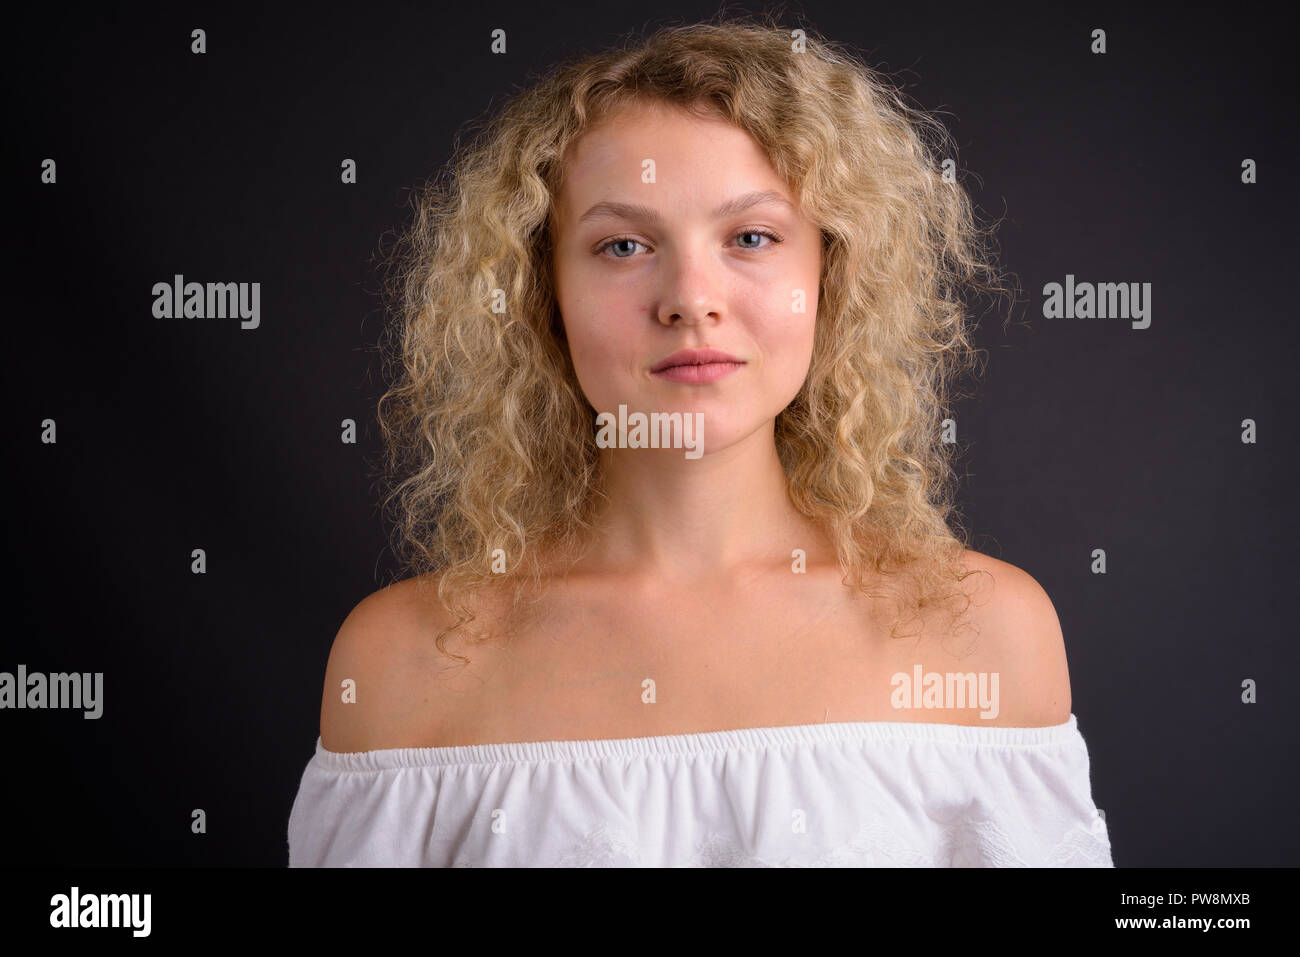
x,y
609,665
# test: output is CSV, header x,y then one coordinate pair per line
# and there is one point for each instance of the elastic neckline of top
x,y
702,742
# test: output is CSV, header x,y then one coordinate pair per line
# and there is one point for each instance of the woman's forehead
x,y
639,147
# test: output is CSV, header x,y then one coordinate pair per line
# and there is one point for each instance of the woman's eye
x,y
625,248
756,234
616,243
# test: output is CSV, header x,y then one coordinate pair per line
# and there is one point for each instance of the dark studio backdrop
x,y
182,434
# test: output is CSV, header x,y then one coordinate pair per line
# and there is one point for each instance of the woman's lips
x,y
696,366
698,374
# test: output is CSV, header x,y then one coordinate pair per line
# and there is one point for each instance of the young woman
x,y
743,634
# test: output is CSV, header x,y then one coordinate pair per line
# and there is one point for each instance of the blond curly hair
x,y
490,441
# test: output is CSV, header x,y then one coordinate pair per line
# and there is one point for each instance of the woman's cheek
x,y
599,357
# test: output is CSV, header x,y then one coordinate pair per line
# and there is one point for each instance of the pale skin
x,y
688,582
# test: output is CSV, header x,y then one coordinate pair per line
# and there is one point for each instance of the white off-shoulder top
x,y
822,795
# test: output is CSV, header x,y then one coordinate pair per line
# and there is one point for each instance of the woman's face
x,y
660,246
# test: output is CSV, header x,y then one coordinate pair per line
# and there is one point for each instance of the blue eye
x,y
616,242
756,232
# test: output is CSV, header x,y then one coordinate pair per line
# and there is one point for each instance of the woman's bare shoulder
x,y
386,683
1019,636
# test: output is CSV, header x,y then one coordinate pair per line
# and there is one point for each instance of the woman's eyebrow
x,y
731,207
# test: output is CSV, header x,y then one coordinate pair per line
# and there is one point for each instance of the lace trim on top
x,y
528,752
